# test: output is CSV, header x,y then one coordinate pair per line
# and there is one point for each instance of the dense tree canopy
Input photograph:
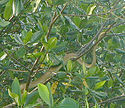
x,y
37,35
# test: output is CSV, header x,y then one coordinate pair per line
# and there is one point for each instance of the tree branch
x,y
86,49
48,33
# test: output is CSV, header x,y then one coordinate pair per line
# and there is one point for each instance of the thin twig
x,y
93,14
54,20
115,99
48,33
81,51
88,49
116,34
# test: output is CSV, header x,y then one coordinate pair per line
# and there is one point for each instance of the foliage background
x,y
25,27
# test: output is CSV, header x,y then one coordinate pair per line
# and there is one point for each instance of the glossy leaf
x,y
99,84
52,42
50,94
35,4
16,88
68,103
91,9
32,98
4,23
28,37
15,97
8,10
44,93
84,68
36,36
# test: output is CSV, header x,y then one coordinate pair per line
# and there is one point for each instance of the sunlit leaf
x,y
85,83
35,4
99,84
14,96
69,65
54,86
44,93
84,68
8,10
91,9
28,37
2,56
52,42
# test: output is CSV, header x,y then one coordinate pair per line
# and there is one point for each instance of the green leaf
x,y
3,2
36,36
102,94
17,7
92,70
50,2
24,96
4,23
90,9
72,23
2,56
44,93
119,29
32,98
52,43
68,103
45,28
16,88
59,2
120,51
77,21
8,10
35,105
50,94
110,83
21,52
14,96
84,68
87,103
36,55
99,84
18,39
113,105
69,65
28,37
35,4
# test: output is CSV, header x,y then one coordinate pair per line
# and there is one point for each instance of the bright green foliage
x,y
28,37
8,10
99,84
44,93
69,65
39,32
